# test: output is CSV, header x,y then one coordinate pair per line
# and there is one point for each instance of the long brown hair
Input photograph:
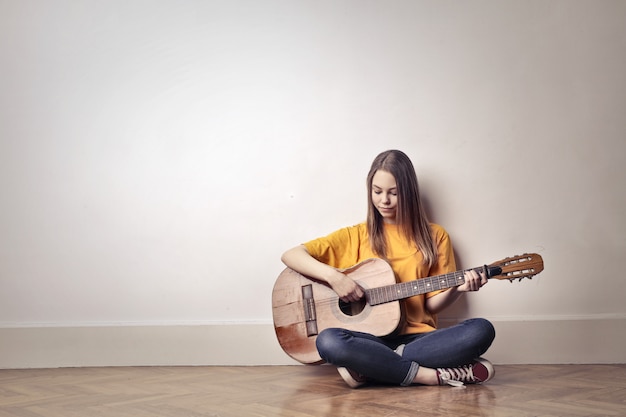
x,y
410,215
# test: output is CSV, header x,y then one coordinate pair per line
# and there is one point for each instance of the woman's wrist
x,y
334,276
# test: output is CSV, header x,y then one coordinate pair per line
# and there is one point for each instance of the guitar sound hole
x,y
352,309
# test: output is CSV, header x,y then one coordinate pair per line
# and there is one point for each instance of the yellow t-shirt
x,y
349,246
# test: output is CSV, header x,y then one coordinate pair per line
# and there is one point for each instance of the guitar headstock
x,y
517,267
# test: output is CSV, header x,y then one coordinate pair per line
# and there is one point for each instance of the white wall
x,y
157,157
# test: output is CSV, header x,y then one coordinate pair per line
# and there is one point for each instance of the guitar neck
x,y
408,289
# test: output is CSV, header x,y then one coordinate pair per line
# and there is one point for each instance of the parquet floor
x,y
304,391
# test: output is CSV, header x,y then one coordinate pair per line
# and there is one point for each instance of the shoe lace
x,y
456,376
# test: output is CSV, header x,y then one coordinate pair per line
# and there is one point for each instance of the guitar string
x,y
385,294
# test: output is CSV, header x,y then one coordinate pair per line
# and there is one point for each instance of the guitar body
x,y
303,307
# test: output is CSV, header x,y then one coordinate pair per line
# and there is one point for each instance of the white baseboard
x,y
592,340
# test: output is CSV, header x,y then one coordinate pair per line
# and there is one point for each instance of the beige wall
x,y
156,158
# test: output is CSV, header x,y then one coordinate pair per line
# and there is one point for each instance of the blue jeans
x,y
376,358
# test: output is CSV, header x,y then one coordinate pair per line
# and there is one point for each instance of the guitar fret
x,y
373,296
385,294
404,290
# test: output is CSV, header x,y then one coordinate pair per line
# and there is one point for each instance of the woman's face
x,y
385,195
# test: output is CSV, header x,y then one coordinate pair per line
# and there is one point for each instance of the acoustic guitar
x,y
302,307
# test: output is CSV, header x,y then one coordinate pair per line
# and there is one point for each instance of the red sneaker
x,y
479,371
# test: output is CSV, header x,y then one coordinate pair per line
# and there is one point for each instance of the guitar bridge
x,y
310,316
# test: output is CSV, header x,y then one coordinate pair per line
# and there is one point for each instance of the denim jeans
x,y
376,358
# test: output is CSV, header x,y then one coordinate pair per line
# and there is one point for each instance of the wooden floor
x,y
304,391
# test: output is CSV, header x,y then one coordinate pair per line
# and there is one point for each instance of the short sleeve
x,y
339,249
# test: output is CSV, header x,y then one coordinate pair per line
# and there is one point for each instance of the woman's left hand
x,y
473,281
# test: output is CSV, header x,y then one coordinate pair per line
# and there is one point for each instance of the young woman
x,y
398,231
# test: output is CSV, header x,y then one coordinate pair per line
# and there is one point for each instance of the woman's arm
x,y
301,261
473,282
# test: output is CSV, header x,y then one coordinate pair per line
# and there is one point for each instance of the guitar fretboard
x,y
408,289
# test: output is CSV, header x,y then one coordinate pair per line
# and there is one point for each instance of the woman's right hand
x,y
346,288
301,261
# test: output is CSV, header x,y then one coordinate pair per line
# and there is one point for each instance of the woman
x,y
398,231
